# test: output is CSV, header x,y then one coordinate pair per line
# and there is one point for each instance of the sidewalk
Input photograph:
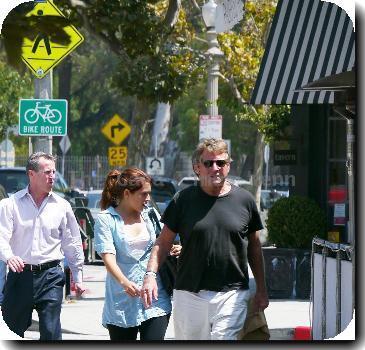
x,y
81,319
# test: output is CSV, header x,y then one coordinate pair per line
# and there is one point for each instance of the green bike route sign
x,y
42,117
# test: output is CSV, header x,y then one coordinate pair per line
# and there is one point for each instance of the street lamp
x,y
214,54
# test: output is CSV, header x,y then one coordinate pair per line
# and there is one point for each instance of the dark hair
x,y
117,181
33,160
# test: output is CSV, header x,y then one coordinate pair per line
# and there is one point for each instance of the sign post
x,y
155,165
210,126
116,130
7,153
65,145
117,156
266,159
42,117
41,53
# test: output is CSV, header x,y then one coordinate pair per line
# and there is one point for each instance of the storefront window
x,y
337,135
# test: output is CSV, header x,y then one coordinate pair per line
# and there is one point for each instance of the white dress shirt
x,y
39,235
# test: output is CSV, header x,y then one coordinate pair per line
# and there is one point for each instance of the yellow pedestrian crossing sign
x,y
41,53
116,129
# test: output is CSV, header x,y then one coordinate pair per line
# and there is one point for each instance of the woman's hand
x,y
131,289
175,250
149,291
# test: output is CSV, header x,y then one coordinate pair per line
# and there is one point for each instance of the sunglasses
x,y
220,162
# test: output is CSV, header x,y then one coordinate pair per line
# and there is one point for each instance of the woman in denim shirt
x,y
124,236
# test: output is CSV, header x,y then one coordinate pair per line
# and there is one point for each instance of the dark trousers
x,y
151,329
30,290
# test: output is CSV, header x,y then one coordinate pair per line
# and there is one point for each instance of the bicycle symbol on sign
x,y
53,116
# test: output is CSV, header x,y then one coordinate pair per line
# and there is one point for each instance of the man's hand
x,y
16,264
79,289
175,250
149,290
261,301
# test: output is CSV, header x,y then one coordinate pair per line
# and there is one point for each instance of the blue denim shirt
x,y
119,308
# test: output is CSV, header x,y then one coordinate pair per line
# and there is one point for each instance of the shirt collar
x,y
25,191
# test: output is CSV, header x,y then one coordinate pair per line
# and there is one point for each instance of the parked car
x,y
93,202
187,181
163,189
239,181
269,197
15,178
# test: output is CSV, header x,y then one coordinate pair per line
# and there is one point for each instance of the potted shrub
x,y
292,223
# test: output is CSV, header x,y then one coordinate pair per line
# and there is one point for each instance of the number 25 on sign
x,y
117,156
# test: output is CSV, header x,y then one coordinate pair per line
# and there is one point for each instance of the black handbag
x,y
168,269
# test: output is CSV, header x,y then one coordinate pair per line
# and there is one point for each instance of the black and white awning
x,y
308,40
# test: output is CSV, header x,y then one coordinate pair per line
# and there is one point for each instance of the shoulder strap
x,y
152,215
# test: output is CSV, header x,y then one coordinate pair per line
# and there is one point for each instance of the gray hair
x,y
33,160
211,145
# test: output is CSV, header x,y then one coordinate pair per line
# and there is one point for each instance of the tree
x,y
86,80
243,49
12,88
152,39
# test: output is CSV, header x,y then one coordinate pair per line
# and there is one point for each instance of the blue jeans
x,y
42,291
2,279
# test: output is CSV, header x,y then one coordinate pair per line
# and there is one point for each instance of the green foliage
x,y
93,99
12,88
243,50
293,222
156,63
271,122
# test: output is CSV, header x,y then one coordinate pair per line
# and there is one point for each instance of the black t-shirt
x,y
213,233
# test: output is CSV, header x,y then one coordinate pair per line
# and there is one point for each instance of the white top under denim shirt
x,y
120,309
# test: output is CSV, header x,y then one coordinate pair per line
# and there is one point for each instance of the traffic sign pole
x,y
43,90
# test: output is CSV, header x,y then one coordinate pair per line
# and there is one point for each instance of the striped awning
x,y
308,40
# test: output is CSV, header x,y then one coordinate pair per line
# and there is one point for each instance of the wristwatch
x,y
151,273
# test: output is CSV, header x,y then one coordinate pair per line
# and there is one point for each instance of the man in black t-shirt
x,y
218,225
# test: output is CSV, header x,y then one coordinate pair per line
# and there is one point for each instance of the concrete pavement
x,y
81,318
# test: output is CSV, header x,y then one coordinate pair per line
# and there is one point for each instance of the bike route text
x,y
37,129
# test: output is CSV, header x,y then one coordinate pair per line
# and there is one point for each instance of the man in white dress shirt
x,y
37,230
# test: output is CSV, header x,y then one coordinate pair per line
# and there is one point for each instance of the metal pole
x,y
214,54
43,90
350,139
338,292
156,146
6,147
63,164
349,146
324,289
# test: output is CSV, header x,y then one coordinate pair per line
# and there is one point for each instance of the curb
x,y
282,334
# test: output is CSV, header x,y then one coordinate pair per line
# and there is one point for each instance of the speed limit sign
x,y
117,156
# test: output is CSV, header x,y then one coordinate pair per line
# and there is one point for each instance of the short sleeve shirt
x,y
213,233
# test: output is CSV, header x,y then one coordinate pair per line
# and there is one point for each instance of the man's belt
x,y
41,267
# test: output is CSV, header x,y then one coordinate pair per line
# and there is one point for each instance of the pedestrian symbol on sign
x,y
40,37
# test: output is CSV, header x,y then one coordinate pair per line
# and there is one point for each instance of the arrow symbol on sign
x,y
119,127
155,160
